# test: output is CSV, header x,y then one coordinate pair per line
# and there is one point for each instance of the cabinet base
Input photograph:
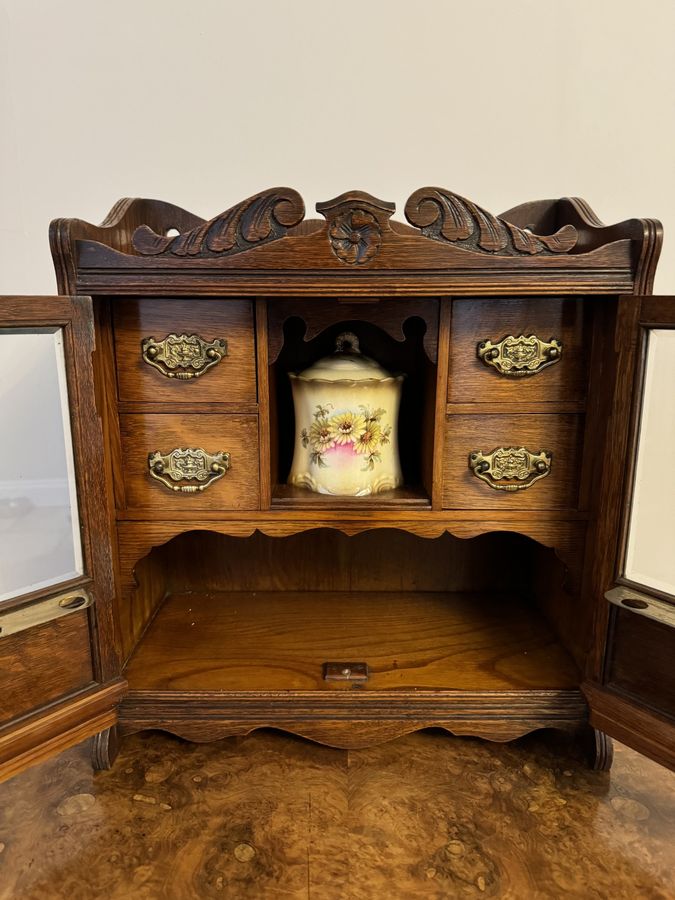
x,y
353,719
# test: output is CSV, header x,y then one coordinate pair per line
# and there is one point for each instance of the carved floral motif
x,y
355,236
444,216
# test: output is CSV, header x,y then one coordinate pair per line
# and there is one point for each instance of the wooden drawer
x,y
470,380
231,380
233,434
43,663
559,434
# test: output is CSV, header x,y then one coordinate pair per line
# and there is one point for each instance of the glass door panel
x,y
39,524
650,554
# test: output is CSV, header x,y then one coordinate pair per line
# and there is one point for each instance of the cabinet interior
x,y
407,354
266,613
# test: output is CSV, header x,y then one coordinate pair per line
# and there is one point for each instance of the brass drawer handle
x,y
516,356
190,464
510,468
183,356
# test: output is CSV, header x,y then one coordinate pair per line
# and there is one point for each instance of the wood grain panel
x,y
326,560
232,380
250,641
559,434
641,654
471,381
237,435
43,663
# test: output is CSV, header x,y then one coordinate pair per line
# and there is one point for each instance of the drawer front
x,y
199,370
472,380
561,435
235,435
43,663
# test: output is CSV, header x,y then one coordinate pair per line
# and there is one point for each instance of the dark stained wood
x,y
36,737
80,649
470,380
377,560
292,497
264,421
321,314
419,260
640,652
29,677
630,722
559,434
232,380
105,748
236,435
547,265
142,589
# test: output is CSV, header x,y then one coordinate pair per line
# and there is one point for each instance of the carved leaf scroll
x,y
262,218
444,216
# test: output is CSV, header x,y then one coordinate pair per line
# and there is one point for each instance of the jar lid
x,y
346,364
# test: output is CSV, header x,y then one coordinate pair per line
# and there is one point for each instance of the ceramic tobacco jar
x,y
346,419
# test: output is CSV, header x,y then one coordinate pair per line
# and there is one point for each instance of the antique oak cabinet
x,y
496,592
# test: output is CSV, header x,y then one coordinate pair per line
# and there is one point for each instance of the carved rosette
x,y
355,236
356,222
444,216
262,218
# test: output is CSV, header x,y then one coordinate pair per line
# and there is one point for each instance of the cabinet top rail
x,y
266,245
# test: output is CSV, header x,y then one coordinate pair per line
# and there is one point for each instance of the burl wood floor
x,y
270,816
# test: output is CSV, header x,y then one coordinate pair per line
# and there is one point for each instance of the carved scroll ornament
x,y
262,218
444,216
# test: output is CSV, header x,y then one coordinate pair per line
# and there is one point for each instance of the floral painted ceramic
x,y
346,414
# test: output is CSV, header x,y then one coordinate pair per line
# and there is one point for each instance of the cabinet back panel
x,y
327,560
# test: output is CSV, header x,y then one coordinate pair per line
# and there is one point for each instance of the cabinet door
x,y
58,663
633,697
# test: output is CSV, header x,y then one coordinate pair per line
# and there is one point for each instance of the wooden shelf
x,y
286,496
278,641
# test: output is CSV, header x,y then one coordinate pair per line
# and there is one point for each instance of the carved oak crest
x,y
444,216
262,218
356,221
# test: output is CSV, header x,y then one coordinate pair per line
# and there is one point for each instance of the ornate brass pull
x,y
183,356
516,356
510,468
188,465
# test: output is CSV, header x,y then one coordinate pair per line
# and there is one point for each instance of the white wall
x,y
205,103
